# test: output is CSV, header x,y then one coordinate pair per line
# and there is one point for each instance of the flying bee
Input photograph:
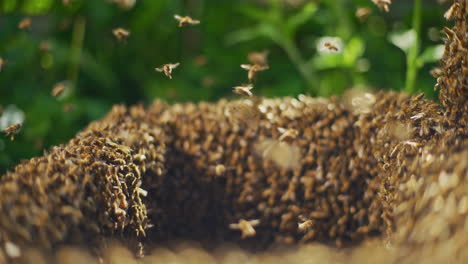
x,y
120,34
246,227
244,90
58,90
11,130
167,69
25,23
2,63
383,4
186,20
287,135
363,13
253,69
260,58
331,46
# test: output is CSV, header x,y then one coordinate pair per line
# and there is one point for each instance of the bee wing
x,y
282,130
195,22
159,69
246,66
174,65
254,222
177,17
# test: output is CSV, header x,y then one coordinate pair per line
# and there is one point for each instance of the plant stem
x,y
412,66
79,28
307,73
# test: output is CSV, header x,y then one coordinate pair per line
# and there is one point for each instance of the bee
x,y
120,34
243,90
125,4
331,46
25,23
259,58
253,69
2,63
287,135
363,13
186,20
383,4
244,113
44,46
451,12
11,130
220,169
304,226
58,90
66,2
67,108
167,69
246,227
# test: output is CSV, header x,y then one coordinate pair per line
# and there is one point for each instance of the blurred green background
x,y
72,43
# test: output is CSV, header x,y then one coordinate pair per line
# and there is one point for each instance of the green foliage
x,y
100,71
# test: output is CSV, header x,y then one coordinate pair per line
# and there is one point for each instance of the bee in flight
x,y
253,69
331,47
58,90
167,69
186,20
243,90
120,34
246,227
363,13
11,130
25,23
258,57
2,63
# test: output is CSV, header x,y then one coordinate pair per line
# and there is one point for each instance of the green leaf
x,y
353,51
8,6
243,35
300,18
271,32
327,61
431,54
404,40
256,13
35,7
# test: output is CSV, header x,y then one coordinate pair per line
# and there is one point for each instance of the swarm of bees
x,y
167,69
353,178
11,130
120,34
246,227
186,20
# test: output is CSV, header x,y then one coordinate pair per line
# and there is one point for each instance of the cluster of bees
x,y
399,167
